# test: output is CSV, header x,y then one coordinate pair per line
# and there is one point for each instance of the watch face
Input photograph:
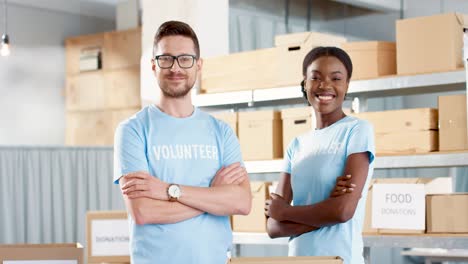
x,y
174,191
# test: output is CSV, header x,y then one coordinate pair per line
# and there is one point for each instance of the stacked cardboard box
x,y
296,121
452,122
229,117
264,68
98,98
292,49
371,59
430,44
447,213
260,135
404,131
256,220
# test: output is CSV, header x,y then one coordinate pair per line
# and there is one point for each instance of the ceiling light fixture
x,y
5,46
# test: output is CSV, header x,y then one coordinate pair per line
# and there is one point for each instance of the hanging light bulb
x,y
5,49
5,46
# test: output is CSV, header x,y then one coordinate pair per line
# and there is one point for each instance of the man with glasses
x,y
179,169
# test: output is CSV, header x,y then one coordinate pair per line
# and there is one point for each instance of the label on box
x,y
40,262
399,206
110,237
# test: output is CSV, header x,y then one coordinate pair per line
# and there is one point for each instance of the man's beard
x,y
175,93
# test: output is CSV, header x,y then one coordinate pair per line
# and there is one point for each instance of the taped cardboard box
x,y
229,117
447,213
287,260
371,59
430,44
256,220
65,253
260,135
452,123
292,48
296,121
404,131
407,142
240,71
107,237
431,186
418,119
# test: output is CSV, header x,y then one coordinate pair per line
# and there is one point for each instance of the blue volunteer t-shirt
x,y
314,160
186,151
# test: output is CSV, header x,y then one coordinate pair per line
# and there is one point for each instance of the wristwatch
x,y
173,191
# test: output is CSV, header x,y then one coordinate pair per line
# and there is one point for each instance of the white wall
x,y
32,78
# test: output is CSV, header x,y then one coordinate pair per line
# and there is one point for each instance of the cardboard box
x,y
407,142
59,253
107,237
447,213
280,66
452,123
240,71
404,131
292,48
260,135
418,119
94,128
256,220
371,59
296,121
431,186
229,117
287,260
104,91
430,44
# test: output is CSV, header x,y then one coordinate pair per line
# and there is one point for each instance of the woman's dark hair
x,y
319,52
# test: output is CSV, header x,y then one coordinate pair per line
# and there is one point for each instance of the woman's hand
x,y
343,186
276,207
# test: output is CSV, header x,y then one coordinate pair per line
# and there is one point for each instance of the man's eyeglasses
x,y
167,61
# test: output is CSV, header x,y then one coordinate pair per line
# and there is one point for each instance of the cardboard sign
x,y
399,206
108,236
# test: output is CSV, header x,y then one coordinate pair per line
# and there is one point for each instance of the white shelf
x,y
433,160
393,85
218,99
411,84
419,241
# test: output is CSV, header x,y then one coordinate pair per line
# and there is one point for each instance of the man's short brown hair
x,y
176,28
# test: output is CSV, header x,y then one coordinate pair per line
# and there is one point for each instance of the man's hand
x,y
276,207
343,186
232,174
141,184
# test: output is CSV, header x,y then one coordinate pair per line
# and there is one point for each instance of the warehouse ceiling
x,y
106,8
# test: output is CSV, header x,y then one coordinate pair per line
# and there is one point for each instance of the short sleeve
x,y
361,139
129,151
288,156
231,151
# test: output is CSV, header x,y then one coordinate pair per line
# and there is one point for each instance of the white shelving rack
x,y
363,89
